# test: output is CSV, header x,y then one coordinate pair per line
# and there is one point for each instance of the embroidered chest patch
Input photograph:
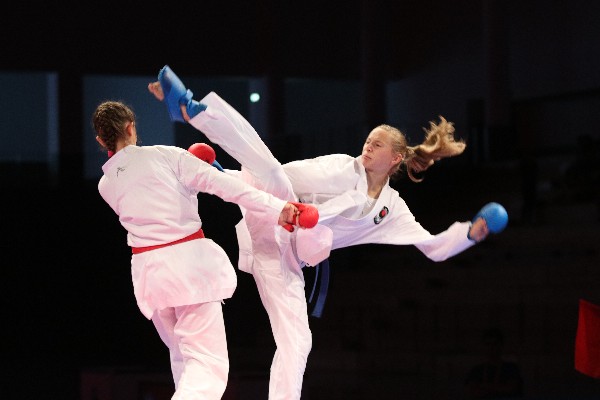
x,y
381,215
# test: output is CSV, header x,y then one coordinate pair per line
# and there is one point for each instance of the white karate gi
x,y
153,190
337,183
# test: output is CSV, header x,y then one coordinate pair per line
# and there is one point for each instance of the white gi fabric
x,y
153,190
271,260
337,183
324,179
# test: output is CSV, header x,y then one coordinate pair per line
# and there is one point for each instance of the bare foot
x,y
156,90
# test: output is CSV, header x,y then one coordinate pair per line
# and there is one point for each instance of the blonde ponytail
x,y
439,143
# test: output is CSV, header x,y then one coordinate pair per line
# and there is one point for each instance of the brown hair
x,y
439,143
109,121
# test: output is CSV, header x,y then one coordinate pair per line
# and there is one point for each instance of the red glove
x,y
308,218
203,152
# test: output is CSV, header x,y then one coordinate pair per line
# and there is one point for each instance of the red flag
x,y
587,342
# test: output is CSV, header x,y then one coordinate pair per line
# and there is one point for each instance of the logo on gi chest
x,y
381,215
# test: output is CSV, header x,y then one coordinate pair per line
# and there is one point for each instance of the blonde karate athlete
x,y
265,252
180,278
356,206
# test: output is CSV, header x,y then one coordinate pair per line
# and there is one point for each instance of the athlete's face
x,y
378,154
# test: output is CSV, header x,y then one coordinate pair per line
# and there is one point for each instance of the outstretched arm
x,y
293,214
491,218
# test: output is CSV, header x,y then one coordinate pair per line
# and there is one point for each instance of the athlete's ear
x,y
99,140
130,128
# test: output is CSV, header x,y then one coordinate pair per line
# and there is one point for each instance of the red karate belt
x,y
195,235
587,342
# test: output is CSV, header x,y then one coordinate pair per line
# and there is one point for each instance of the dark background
x,y
396,325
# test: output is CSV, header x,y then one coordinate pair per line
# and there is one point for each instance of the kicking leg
x,y
223,125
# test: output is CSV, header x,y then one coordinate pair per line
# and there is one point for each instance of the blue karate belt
x,y
319,288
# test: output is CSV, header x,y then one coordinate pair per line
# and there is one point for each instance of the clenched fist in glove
x,y
491,218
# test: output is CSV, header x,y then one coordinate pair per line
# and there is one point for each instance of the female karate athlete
x,y
355,202
180,278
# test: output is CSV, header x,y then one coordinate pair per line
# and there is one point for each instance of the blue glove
x,y
495,217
